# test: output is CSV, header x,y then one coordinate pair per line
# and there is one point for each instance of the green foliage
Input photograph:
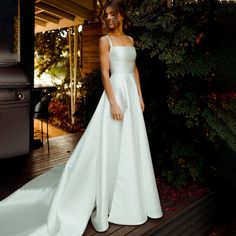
x,y
174,35
52,57
187,106
90,92
49,48
220,118
179,68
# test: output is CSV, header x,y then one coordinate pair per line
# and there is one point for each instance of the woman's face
x,y
113,21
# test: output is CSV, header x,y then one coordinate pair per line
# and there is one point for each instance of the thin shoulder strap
x,y
109,39
130,38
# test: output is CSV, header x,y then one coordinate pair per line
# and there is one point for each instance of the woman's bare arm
x,y
104,48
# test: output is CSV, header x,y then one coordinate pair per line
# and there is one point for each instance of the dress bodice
x,y
122,58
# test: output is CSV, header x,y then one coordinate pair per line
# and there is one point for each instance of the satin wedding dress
x,y
109,176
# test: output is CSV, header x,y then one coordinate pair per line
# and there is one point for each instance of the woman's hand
x,y
141,103
116,112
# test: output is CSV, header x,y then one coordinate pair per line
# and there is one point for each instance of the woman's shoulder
x,y
103,37
103,40
131,38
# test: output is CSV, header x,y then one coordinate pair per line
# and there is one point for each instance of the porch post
x,y
71,77
75,66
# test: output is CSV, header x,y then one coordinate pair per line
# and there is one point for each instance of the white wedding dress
x,y
109,176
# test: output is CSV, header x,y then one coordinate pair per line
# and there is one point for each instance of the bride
x,y
109,176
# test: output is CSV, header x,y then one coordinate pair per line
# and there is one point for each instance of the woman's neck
x,y
116,32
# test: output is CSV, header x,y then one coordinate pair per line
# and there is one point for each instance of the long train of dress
x,y
109,176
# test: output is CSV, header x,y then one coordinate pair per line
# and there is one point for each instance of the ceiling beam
x,y
55,11
89,4
38,10
46,17
40,22
62,24
70,7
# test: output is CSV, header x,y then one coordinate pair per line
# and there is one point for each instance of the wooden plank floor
x,y
15,172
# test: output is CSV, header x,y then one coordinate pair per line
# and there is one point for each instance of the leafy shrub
x,y
179,63
90,93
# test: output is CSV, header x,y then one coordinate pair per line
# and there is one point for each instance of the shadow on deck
x,y
188,219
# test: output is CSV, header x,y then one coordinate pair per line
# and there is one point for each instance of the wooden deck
x,y
15,172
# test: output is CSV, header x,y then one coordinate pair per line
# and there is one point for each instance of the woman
x,y
109,176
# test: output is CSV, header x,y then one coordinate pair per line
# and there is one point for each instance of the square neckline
x,y
122,46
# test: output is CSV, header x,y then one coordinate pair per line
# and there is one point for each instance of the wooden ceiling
x,y
54,14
